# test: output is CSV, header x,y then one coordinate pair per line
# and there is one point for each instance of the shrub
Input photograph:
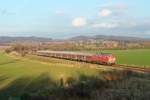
x,y
8,50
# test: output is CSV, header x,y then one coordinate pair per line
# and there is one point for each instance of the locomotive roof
x,y
107,54
65,52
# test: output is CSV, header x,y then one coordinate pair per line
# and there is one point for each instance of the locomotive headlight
x,y
114,59
110,59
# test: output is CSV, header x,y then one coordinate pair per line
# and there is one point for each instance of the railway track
x,y
119,67
131,68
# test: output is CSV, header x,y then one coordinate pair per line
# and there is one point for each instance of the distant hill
x,y
98,42
104,37
5,39
80,38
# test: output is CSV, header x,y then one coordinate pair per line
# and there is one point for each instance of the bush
x,y
8,50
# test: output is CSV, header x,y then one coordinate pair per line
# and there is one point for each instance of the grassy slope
x,y
131,57
27,67
19,75
14,69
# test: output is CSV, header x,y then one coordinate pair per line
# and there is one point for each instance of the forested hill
x,y
5,39
104,37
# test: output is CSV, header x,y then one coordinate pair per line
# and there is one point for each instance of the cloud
x,y
6,12
120,6
115,6
148,32
79,22
105,25
105,12
132,24
113,10
59,12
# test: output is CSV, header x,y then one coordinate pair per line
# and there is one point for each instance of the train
x,y
102,58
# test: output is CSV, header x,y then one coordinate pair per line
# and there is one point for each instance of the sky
x,y
68,18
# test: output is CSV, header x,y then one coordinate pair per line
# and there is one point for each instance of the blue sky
x,y
67,18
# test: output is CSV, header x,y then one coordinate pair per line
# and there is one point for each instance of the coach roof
x,y
64,52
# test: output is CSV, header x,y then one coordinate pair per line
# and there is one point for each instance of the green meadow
x,y
40,78
131,57
34,66
24,71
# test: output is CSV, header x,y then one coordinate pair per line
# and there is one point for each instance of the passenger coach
x,y
102,58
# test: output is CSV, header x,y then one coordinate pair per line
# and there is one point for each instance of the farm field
x,y
26,71
130,57
40,78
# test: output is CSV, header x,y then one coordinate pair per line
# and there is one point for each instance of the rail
x,y
119,66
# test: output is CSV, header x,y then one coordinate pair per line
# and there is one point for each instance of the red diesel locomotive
x,y
107,59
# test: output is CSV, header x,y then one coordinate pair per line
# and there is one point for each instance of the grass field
x,y
130,57
39,78
14,69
